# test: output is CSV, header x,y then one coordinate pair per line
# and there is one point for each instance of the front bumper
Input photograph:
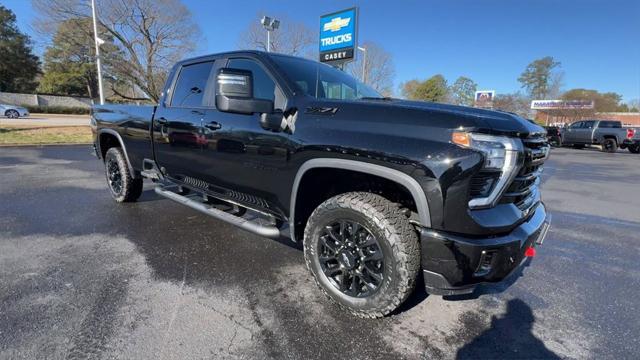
x,y
455,265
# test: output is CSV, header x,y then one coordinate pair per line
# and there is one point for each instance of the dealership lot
x,y
82,276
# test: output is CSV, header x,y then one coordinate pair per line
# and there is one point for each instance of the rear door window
x,y
609,124
191,85
588,124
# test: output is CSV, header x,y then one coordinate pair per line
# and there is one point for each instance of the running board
x,y
258,229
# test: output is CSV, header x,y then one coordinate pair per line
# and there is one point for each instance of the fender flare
x,y
124,148
397,176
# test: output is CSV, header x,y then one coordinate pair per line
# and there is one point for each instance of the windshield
x,y
322,81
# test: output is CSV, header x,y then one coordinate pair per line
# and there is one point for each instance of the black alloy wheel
x,y
122,185
351,258
363,253
114,177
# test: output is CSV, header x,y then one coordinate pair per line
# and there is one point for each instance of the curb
x,y
38,145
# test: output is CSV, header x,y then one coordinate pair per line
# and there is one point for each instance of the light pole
x,y
270,25
364,64
98,42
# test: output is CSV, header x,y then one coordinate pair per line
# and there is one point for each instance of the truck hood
x,y
452,116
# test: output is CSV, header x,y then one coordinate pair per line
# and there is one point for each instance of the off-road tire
x,y
609,145
131,188
634,149
398,241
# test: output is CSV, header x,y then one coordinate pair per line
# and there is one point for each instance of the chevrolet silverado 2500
x,y
376,189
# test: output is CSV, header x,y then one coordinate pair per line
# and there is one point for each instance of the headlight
x,y
500,155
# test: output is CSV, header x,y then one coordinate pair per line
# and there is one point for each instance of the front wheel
x,y
123,186
363,253
610,145
12,114
634,149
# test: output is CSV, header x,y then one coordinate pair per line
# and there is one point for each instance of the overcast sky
x,y
490,41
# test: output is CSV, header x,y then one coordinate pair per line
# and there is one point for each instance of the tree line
x,y
144,38
541,79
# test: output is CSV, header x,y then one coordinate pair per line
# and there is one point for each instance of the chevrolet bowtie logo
x,y
336,24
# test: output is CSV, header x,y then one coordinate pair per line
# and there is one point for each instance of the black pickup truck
x,y
377,189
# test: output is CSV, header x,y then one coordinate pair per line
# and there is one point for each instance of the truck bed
x,y
133,125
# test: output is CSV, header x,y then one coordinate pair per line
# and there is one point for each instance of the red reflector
x,y
530,252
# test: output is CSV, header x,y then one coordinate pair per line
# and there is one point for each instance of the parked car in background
x,y
608,133
13,111
554,135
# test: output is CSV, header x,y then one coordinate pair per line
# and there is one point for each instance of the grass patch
x,y
36,135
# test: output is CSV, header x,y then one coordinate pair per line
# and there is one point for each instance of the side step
x,y
251,226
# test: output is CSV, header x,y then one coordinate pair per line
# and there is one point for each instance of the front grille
x,y
524,186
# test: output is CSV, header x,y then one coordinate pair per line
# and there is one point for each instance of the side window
x,y
609,124
191,85
263,85
576,125
588,124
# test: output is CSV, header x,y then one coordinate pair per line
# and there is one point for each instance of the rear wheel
x,y
363,253
610,145
123,187
634,149
12,114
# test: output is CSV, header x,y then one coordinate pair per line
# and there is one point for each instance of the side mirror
x,y
234,93
273,122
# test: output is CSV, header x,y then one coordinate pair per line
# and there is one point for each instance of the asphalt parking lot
x,y
81,276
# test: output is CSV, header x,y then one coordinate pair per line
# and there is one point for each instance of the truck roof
x,y
240,52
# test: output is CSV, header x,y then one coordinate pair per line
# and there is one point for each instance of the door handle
x,y
162,121
214,125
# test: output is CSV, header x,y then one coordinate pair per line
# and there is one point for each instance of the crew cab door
x,y
244,161
177,126
580,132
571,132
584,135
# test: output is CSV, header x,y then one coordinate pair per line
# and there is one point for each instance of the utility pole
x,y
364,64
270,25
98,42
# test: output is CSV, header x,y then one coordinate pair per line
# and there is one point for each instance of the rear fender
x,y
119,139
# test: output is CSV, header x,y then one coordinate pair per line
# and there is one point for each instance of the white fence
x,y
44,100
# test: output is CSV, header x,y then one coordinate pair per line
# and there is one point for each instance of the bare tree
x,y
152,36
292,38
379,70
555,85
516,103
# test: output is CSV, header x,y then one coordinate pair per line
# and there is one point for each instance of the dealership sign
x,y
561,104
484,98
338,36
